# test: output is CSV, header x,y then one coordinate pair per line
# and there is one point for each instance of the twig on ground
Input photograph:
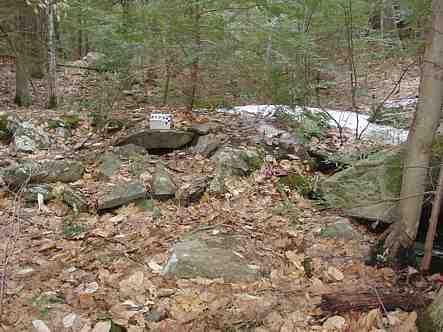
x,y
11,241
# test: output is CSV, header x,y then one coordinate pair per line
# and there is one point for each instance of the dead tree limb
x,y
342,302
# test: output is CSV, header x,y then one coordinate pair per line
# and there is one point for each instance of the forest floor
x,y
109,271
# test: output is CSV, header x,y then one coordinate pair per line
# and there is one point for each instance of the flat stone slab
x,y
213,254
43,171
153,139
121,194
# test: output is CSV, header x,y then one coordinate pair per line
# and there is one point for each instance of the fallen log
x,y
386,300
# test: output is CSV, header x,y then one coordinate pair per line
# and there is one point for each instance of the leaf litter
x,y
106,274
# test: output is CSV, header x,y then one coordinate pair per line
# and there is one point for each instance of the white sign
x,y
160,121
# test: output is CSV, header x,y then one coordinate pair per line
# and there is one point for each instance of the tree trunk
x,y
22,93
195,67
52,69
80,52
433,222
22,78
401,240
37,63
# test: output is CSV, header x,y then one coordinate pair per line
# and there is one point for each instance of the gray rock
x,y
159,139
109,164
30,194
290,146
217,184
209,254
163,187
154,315
368,189
28,138
207,145
44,171
432,318
280,143
121,194
205,128
192,192
92,58
237,161
341,229
75,199
129,151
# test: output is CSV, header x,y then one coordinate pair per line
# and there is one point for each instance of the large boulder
x,y
30,138
208,254
109,164
121,194
238,162
43,171
158,139
370,188
207,145
130,151
206,128
432,318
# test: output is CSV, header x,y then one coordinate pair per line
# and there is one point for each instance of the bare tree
x,y
401,240
22,76
52,64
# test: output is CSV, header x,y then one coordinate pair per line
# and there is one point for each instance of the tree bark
x,y
37,63
52,63
433,222
402,239
195,66
344,302
22,77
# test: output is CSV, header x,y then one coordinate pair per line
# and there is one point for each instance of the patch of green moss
x,y
394,166
71,121
394,172
300,183
254,160
3,121
72,229
5,134
425,323
23,101
54,123
146,204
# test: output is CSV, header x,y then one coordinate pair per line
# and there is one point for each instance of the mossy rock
x,y
371,187
237,162
431,319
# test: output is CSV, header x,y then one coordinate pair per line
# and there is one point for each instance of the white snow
x,y
350,120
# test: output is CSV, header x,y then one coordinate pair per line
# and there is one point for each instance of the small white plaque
x,y
160,121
